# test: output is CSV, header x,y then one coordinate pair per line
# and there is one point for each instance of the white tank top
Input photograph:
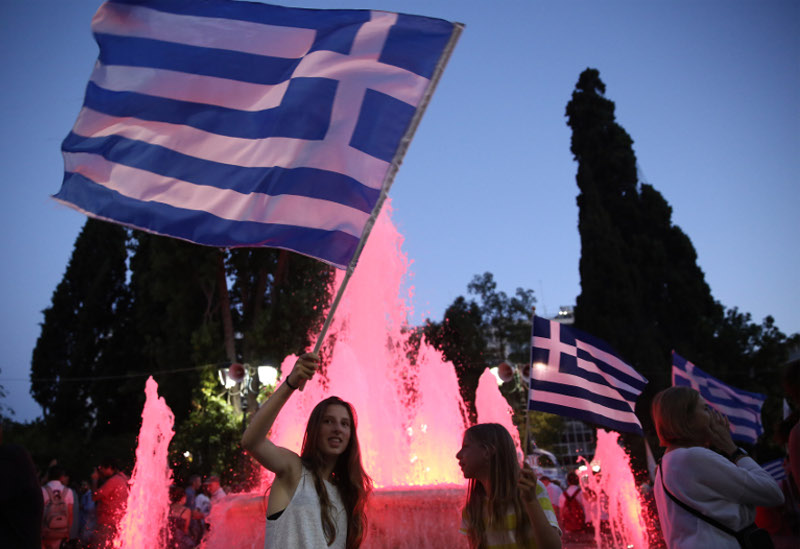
x,y
300,525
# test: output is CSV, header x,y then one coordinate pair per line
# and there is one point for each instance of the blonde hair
x,y
672,412
503,478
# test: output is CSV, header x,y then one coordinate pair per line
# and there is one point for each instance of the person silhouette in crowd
x,y
214,490
178,518
554,492
88,518
58,500
74,529
111,499
21,501
192,489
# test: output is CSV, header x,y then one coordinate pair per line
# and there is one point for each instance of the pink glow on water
x,y
410,416
493,407
411,423
619,498
145,521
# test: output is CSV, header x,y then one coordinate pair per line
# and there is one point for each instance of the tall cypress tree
x,y
619,239
641,287
84,338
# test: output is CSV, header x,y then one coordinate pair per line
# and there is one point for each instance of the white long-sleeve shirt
x,y
713,485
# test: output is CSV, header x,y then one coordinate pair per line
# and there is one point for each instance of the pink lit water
x,y
144,525
411,418
618,496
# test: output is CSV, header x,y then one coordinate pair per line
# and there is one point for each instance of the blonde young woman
x,y
318,498
506,506
703,468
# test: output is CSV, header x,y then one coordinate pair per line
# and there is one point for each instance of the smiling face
x,y
335,430
473,458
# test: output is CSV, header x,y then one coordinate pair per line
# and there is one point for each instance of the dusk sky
x,y
709,91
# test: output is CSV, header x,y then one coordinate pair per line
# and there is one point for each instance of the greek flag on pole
x,y
577,375
742,407
230,123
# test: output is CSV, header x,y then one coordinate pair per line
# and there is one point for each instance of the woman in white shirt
x,y
704,469
318,498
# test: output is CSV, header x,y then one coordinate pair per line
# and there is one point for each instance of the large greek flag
x,y
742,407
577,375
231,123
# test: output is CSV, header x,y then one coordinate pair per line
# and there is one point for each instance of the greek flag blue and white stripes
x,y
742,407
775,468
231,123
577,375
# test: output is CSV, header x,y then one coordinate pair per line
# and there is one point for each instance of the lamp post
x,y
242,383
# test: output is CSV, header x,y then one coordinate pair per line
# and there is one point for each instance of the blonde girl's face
x,y
473,458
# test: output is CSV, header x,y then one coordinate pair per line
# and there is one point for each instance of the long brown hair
x,y
348,475
503,478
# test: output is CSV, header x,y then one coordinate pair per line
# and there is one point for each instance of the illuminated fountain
x,y
411,417
149,493
610,480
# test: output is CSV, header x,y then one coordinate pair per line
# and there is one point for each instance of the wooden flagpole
x,y
389,178
528,399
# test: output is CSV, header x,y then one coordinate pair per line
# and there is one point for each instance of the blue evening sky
x,y
708,90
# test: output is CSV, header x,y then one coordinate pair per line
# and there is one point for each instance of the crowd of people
x,y
52,512
707,491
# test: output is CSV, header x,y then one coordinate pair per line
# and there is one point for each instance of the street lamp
x,y
242,380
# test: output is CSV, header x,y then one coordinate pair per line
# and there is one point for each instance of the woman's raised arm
x,y
278,460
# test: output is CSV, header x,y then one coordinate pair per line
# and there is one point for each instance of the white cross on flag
x,y
577,375
245,124
742,408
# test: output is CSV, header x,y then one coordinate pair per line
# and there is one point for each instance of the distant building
x,y
577,440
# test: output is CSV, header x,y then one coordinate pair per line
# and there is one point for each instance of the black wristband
x,y
292,387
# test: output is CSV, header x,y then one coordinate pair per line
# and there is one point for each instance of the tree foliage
x,y
641,287
475,335
207,442
85,339
133,304
176,313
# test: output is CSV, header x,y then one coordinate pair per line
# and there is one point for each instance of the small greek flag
x,y
742,408
577,375
230,123
775,468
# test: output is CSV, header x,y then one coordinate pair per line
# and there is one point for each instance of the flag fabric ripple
x,y
775,468
229,123
577,375
742,408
